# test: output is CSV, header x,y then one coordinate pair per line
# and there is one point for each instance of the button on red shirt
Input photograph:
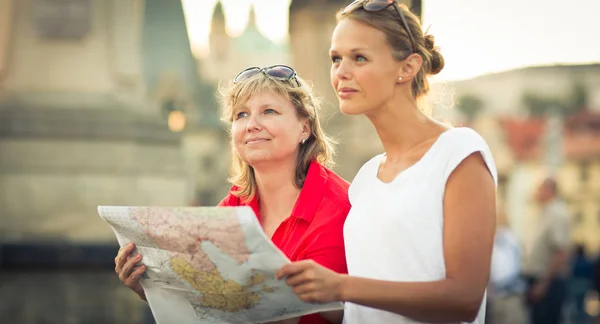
x,y
314,229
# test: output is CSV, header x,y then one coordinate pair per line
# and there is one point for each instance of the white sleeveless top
x,y
394,230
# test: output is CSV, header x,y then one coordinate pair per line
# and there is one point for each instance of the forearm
x,y
444,301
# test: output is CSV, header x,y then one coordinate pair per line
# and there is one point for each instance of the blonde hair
x,y
317,147
389,22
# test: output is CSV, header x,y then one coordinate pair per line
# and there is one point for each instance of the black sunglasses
x,y
378,5
277,72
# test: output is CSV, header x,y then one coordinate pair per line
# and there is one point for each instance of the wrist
x,y
345,282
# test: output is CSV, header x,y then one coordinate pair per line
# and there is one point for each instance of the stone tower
x,y
77,125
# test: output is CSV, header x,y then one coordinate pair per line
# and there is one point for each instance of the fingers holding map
x,y
208,265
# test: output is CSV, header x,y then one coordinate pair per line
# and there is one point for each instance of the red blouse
x,y
314,230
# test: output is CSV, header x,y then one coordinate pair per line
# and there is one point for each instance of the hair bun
x,y
437,60
429,42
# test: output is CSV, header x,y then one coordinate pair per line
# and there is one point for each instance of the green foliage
x,y
470,105
539,105
578,99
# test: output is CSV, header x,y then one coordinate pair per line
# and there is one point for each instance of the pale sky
x,y
482,36
476,36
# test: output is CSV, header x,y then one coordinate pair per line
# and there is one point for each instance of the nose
x,y
343,70
253,123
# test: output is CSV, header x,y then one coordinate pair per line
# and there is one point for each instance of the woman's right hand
x,y
125,267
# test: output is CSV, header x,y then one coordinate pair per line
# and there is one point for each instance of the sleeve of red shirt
x,y
229,201
327,247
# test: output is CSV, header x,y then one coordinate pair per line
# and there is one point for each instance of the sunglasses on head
x,y
277,72
378,5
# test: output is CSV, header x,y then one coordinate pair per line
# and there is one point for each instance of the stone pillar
x,y
76,127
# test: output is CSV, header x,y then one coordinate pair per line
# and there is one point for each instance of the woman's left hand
x,y
312,282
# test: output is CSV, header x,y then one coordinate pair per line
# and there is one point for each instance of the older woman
x,y
279,169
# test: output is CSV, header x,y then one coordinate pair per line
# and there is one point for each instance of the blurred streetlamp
x,y
176,121
175,116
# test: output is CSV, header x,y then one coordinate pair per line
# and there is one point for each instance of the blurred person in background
x,y
596,287
580,284
279,169
507,287
547,261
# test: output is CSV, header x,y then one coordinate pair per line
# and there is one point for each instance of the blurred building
x,y
523,143
102,102
502,93
577,176
97,99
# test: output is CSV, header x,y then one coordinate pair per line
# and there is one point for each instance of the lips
x,y
256,140
345,92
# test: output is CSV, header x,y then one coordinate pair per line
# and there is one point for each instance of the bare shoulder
x,y
472,174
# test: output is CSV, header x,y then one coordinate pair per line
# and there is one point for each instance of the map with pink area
x,y
178,231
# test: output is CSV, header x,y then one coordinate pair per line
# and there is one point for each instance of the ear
x,y
410,67
306,131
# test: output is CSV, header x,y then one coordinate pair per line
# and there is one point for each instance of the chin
x,y
266,158
351,109
255,160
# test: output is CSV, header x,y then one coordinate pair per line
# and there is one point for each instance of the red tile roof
x,y
524,136
581,136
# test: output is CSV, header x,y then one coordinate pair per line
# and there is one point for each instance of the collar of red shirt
x,y
310,196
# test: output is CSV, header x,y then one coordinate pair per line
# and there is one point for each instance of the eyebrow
x,y
269,105
354,50
264,106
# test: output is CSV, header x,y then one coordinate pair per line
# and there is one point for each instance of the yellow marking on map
x,y
219,293
268,289
256,279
